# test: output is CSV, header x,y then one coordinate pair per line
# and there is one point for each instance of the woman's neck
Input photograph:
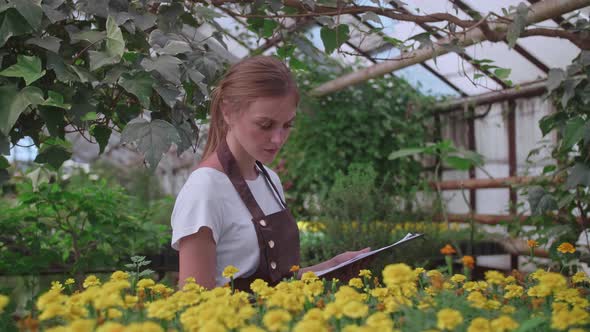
x,y
246,163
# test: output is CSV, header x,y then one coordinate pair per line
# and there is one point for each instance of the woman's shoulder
x,y
206,183
273,175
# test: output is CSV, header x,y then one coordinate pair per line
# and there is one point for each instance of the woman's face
x,y
263,126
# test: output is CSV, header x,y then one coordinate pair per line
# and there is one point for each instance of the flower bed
x,y
399,299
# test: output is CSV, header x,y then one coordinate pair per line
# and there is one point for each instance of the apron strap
x,y
230,166
272,185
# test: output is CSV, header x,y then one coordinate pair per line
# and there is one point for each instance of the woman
x,y
231,210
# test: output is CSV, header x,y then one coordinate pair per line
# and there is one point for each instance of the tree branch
x,y
578,39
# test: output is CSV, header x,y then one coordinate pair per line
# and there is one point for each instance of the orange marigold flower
x,y
532,243
448,250
566,247
294,268
469,261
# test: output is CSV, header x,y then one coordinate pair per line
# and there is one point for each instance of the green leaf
x,y
4,145
333,38
102,135
115,47
54,153
165,65
502,73
458,162
424,40
4,163
574,131
554,78
579,175
56,100
153,139
541,201
14,102
531,324
370,16
12,24
404,153
4,176
169,93
91,36
39,176
206,13
519,21
268,28
90,116
140,85
168,15
47,42
27,67
54,120
31,10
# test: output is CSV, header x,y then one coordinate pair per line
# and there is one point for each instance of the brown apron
x,y
277,233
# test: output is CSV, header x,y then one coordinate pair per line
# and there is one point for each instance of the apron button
x,y
273,265
271,243
262,223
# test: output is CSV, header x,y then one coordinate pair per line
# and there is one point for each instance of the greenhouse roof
x,y
454,74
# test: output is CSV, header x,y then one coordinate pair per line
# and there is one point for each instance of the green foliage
x,y
75,225
94,66
362,124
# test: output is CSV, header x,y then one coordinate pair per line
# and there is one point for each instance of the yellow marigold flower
x,y
310,325
494,278
379,319
458,278
230,271
513,291
356,283
90,281
471,286
509,280
252,328
309,276
448,250
468,261
69,281
110,327
355,309
50,297
4,300
537,274
53,310
276,320
448,319
477,300
365,273
479,324
398,274
503,323
147,326
580,277
57,286
532,243
145,283
119,276
113,313
314,314
566,247
508,309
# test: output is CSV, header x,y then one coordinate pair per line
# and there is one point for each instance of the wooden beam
x,y
483,183
532,89
537,13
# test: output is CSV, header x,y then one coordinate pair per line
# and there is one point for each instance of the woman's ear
x,y
226,110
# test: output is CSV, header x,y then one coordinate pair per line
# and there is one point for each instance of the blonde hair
x,y
251,78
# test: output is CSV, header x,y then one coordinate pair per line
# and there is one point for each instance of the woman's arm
x,y
197,258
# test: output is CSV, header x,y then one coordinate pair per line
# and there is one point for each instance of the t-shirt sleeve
x,y
195,208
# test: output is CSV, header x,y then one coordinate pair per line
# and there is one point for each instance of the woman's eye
x,y
265,126
289,125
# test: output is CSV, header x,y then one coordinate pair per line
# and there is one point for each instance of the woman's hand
x,y
344,274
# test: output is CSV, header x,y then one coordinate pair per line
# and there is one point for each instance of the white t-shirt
x,y
208,199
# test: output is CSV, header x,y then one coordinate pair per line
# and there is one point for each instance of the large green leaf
x,y
115,47
405,152
47,42
62,72
165,65
54,152
4,163
31,10
102,135
168,15
541,201
27,67
56,100
573,132
457,162
14,102
39,176
153,139
91,36
139,85
12,24
333,38
54,120
518,24
168,92
579,175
